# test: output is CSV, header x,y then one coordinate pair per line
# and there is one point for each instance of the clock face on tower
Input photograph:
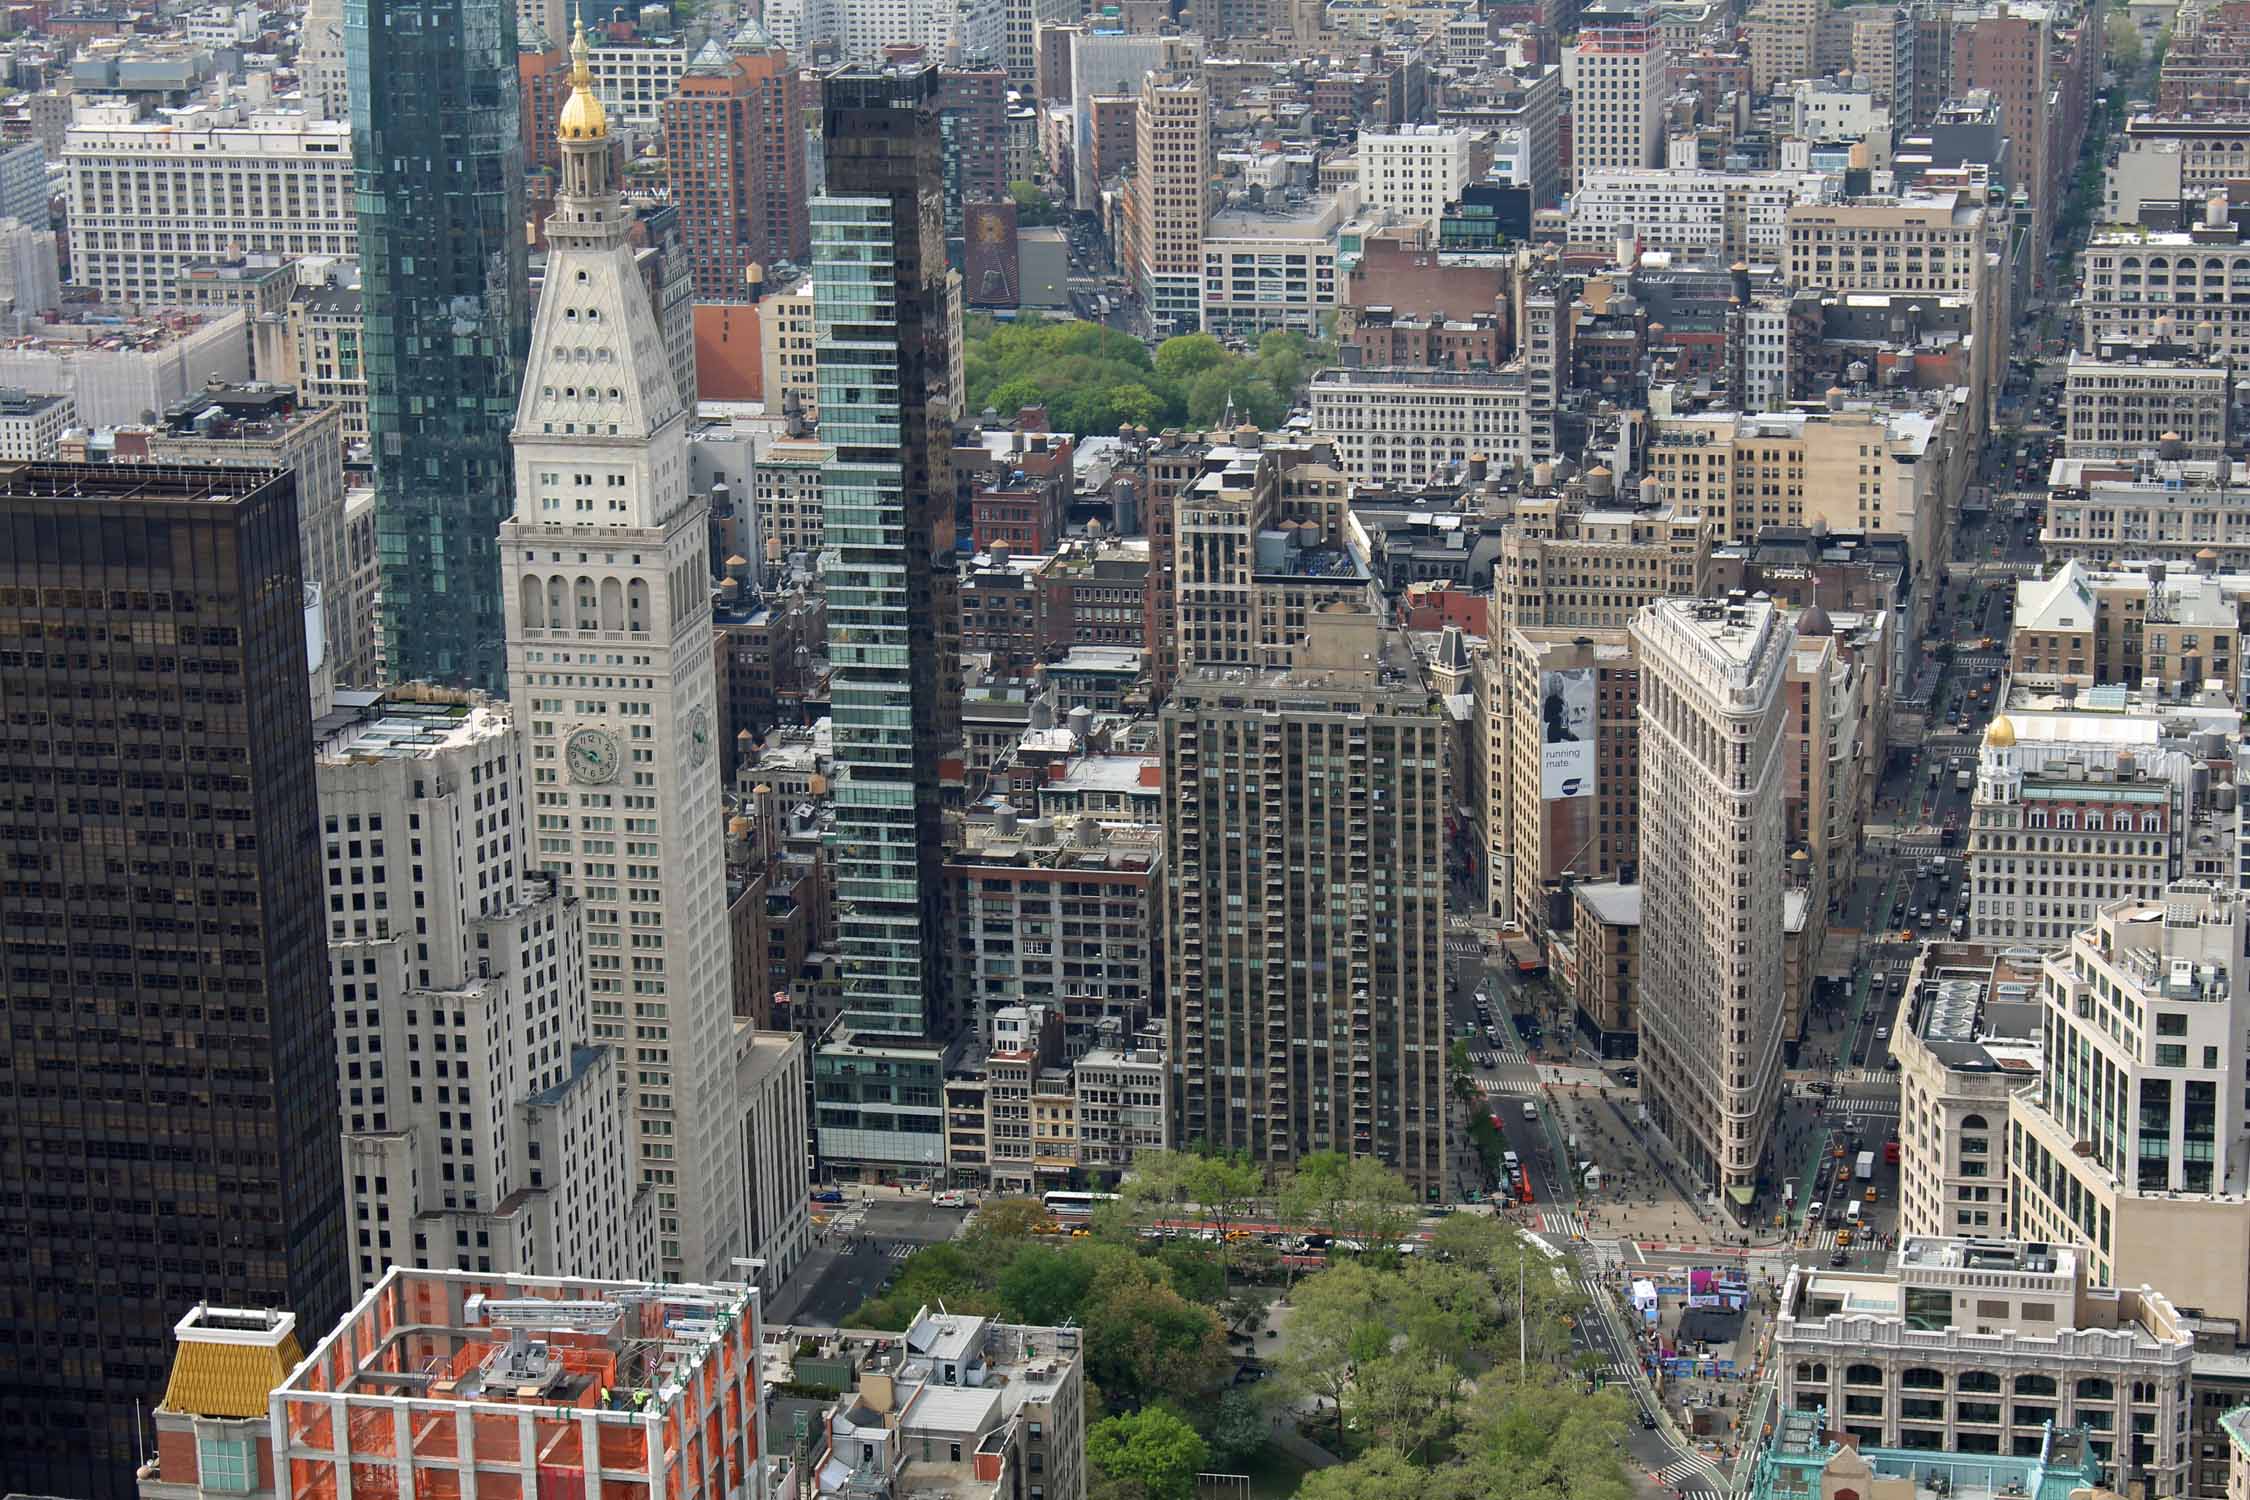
x,y
699,735
591,755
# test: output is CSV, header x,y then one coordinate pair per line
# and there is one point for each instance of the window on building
x,y
226,1465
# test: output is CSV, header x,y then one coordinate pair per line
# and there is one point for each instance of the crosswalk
x,y
901,1249
1691,1471
1561,1222
1866,1075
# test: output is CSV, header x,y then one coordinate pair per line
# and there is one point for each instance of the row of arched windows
x,y
556,603
1975,1382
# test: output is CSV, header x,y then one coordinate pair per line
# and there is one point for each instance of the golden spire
x,y
582,115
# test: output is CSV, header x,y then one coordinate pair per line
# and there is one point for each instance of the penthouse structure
x,y
1712,712
1981,1346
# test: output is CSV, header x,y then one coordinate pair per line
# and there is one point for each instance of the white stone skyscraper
x,y
610,664
1713,717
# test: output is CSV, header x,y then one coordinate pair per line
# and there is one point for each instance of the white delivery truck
x,y
1866,1171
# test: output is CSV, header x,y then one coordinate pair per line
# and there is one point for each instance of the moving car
x,y
828,1195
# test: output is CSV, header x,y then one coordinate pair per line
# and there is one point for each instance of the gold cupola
x,y
582,115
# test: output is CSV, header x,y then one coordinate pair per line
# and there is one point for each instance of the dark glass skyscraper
x,y
437,141
168,1094
883,327
883,333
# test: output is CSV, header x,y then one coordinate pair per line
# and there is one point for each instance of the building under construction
x,y
443,1385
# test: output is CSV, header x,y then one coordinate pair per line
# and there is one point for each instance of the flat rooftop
x,y
406,725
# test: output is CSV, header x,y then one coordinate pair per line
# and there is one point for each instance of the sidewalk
x,y
1289,1440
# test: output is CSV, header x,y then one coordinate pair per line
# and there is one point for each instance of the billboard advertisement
x,y
990,276
1566,734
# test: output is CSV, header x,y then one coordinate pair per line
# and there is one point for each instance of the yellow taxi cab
x,y
1871,1195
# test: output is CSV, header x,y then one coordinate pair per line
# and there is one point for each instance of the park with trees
x,y
1093,379
1441,1364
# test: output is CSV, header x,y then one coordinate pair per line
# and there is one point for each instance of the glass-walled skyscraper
x,y
878,309
882,323
438,148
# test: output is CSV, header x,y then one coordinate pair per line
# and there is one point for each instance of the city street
x,y
1842,1097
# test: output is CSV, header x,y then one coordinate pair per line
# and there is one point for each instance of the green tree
x,y
2124,38
1281,360
1238,1428
1379,1474
1014,395
1355,1198
1381,1205
1154,1447
1217,1187
1046,1285
1033,206
1542,1439
946,1273
1207,394
1186,355
1313,1194
1008,1219
1144,1340
1447,1312
1192,1273
1336,1319
1478,1241
1136,403
1403,1397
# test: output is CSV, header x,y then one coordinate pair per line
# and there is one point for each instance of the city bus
x,y
1074,1208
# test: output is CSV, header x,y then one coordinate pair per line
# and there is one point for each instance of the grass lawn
x,y
1273,1474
